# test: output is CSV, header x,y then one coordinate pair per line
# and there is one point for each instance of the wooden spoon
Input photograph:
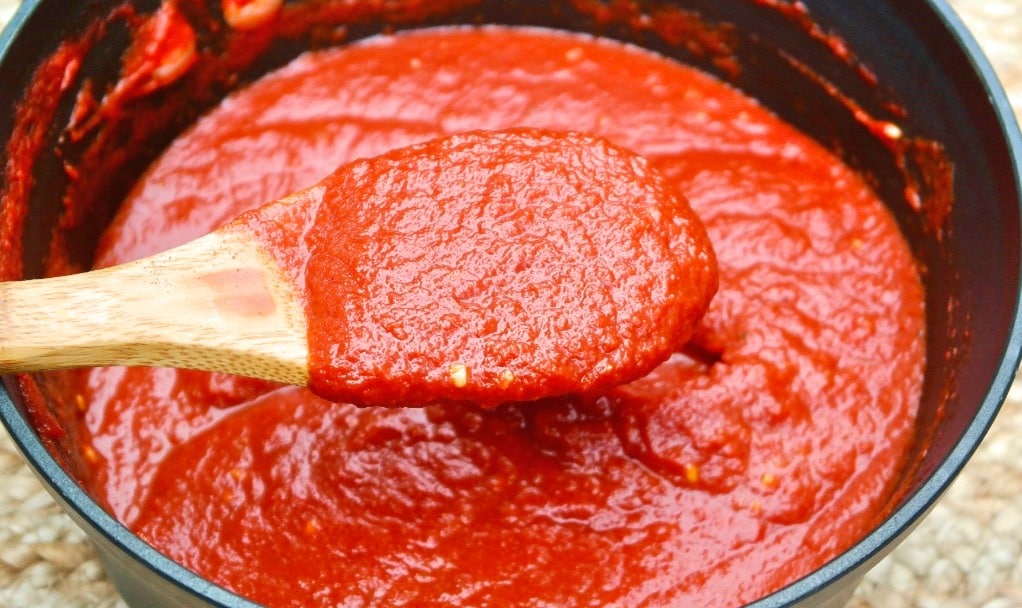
x,y
486,267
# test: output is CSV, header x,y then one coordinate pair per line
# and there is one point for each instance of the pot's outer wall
x,y
927,62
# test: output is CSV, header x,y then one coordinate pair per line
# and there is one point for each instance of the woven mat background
x,y
966,554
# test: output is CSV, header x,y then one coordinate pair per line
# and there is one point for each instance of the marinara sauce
x,y
753,455
488,267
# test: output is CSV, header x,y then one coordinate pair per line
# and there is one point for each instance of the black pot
x,y
922,57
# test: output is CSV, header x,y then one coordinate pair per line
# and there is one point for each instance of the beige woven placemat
x,y
966,554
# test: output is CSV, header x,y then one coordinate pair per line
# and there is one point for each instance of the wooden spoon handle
x,y
217,303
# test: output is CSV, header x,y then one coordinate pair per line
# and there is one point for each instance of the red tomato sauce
x,y
763,448
489,267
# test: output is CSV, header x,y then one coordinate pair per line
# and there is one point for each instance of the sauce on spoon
x,y
491,267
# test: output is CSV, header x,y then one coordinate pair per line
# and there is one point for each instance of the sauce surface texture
x,y
490,267
766,446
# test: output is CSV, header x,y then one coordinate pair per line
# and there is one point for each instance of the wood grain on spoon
x,y
485,267
217,303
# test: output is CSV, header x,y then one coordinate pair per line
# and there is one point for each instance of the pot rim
x,y
869,550
853,562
